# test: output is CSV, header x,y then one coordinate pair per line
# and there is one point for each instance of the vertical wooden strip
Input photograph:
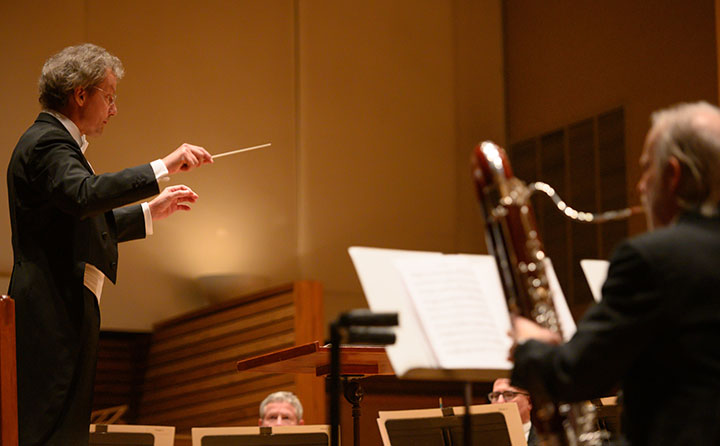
x,y
570,247
581,167
555,225
8,374
523,159
613,178
597,183
309,327
309,319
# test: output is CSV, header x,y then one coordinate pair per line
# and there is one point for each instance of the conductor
x,y
66,223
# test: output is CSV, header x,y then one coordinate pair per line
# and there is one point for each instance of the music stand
x,y
355,362
491,424
131,435
314,358
314,435
609,416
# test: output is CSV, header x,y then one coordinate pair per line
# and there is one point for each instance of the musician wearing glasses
x,y
656,332
503,392
66,223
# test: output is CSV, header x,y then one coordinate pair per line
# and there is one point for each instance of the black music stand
x,y
121,439
317,435
354,327
131,435
608,416
491,425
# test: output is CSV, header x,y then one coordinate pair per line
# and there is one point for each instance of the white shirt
x,y
526,428
94,278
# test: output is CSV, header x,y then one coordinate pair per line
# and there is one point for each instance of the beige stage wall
x,y
372,108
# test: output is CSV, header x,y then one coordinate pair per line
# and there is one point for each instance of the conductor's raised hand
x,y
186,157
171,199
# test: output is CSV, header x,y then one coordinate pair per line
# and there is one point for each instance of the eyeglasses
x,y
110,98
508,395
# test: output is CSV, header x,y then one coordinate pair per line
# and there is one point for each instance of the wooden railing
x,y
191,378
8,374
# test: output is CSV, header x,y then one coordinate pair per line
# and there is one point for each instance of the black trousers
x,y
70,423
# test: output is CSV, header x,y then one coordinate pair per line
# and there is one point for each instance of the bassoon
x,y
512,238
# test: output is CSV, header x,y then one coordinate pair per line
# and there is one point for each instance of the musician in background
x,y
281,409
656,332
503,392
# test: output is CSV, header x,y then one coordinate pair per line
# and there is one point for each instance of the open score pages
x,y
460,304
451,307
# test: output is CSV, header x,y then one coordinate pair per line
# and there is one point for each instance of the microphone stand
x,y
354,327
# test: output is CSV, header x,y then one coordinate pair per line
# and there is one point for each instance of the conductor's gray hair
x,y
83,65
282,397
690,133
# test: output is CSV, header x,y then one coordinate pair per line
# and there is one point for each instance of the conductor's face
x,y
280,414
503,392
97,105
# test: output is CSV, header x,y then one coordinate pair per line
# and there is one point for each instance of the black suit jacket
x,y
62,217
656,333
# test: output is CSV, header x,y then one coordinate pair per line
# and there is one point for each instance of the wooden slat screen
x,y
612,176
191,378
582,195
585,163
122,359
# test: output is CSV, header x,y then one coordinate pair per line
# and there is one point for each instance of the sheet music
x,y
451,307
385,292
595,273
462,308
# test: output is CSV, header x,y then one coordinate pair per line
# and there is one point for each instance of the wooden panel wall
x,y
122,359
191,379
585,163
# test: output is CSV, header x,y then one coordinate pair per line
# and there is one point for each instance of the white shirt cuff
x,y
161,172
94,279
148,219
